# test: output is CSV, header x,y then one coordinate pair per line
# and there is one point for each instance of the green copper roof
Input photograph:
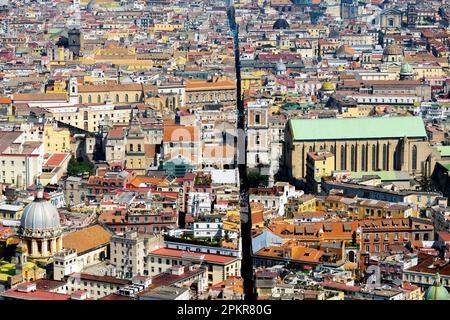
x,y
444,151
406,69
437,291
357,128
445,165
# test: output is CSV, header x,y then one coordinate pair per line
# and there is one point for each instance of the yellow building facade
x,y
56,140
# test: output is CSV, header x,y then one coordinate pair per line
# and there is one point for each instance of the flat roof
x,y
209,257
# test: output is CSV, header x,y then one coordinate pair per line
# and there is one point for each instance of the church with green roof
x,y
360,144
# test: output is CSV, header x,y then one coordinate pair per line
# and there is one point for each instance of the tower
x,y
20,257
73,91
74,36
135,147
258,151
411,15
65,262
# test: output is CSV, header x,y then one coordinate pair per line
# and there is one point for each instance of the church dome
x,y
281,24
327,86
406,69
391,50
437,291
40,219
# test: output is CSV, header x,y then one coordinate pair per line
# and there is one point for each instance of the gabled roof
x,y
357,128
87,239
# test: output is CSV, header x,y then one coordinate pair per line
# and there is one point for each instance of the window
x,y
126,98
414,157
257,118
343,158
353,158
363,158
374,157
385,157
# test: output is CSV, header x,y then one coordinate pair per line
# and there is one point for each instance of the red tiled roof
x,y
56,159
340,286
35,295
444,235
116,133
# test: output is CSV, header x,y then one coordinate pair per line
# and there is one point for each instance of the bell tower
x,y
74,36
258,153
73,90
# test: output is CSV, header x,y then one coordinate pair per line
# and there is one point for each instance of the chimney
x,y
79,295
177,270
26,287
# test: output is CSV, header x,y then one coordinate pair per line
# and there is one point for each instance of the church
x,y
360,144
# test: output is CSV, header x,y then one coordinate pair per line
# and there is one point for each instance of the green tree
x,y
256,179
79,166
425,183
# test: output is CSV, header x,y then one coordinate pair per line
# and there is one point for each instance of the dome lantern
x,y
437,291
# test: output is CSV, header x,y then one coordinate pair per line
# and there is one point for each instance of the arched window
x,y
332,149
414,157
374,157
310,148
117,98
80,100
126,98
363,158
352,158
139,148
89,99
85,114
137,97
343,158
385,157
99,99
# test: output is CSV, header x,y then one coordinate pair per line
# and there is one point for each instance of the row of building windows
x,y
212,97
364,157
117,98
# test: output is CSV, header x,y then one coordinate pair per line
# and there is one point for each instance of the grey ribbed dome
x,y
280,24
40,219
